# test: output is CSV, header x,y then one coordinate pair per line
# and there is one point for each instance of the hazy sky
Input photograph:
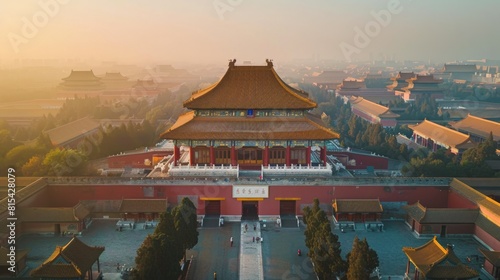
x,y
214,30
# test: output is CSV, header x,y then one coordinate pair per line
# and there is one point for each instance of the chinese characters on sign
x,y
251,191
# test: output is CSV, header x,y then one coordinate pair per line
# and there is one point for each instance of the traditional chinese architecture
x,y
373,112
492,262
56,220
146,87
71,134
422,85
459,71
142,209
433,261
357,210
81,83
442,221
434,136
400,82
251,119
358,88
329,79
115,80
74,260
478,128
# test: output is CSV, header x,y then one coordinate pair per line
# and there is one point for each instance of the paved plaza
x,y
213,253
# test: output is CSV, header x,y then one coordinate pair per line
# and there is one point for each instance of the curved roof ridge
x,y
304,96
258,87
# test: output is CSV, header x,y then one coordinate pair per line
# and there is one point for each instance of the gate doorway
x,y
212,208
443,231
287,208
250,210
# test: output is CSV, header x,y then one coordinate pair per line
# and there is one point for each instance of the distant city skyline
x,y
211,31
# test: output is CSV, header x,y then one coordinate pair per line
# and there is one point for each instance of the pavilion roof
x,y
442,135
143,206
478,126
405,75
436,262
64,133
69,261
81,76
367,106
250,87
189,126
357,206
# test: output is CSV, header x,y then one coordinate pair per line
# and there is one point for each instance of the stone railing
x,y
204,171
291,180
297,170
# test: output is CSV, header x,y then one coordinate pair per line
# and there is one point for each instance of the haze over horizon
x,y
208,31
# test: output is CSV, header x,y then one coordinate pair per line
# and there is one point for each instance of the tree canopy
x,y
161,252
323,245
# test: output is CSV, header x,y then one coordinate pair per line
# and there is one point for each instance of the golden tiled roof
x,y
72,130
370,107
442,135
143,206
357,206
436,262
81,76
250,87
78,256
189,126
478,126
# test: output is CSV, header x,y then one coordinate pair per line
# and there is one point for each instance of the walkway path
x,y
251,251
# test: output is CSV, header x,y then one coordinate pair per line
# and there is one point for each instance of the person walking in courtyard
x,y
231,241
215,275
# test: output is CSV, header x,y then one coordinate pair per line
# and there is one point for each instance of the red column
x,y
177,154
308,155
233,156
265,160
287,156
212,155
191,156
323,154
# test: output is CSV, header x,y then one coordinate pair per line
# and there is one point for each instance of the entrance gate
x,y
250,210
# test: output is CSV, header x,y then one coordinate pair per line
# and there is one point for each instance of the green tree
x,y
186,224
154,259
34,167
62,162
362,260
323,245
19,155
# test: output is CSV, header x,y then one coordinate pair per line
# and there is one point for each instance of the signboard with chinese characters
x,y
250,191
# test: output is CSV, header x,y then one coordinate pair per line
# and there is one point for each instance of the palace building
x,y
251,119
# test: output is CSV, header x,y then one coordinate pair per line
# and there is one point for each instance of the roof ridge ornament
x,y
232,62
269,62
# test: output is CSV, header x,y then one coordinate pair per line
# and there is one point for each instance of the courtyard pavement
x,y
213,252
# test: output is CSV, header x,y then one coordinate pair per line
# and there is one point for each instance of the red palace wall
x,y
455,200
68,196
363,161
493,242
